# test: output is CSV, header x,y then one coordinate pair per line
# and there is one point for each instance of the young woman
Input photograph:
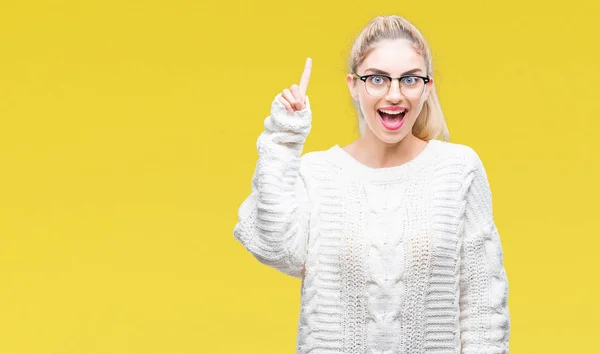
x,y
393,235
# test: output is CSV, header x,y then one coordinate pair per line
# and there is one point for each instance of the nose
x,y
394,94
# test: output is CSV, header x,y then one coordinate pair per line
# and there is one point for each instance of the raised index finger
x,y
305,76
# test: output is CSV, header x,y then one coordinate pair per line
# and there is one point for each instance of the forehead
x,y
393,56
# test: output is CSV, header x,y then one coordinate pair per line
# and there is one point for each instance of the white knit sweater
x,y
403,259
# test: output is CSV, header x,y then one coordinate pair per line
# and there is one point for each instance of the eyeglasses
x,y
411,86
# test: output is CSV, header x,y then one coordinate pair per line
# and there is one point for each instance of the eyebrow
x,y
378,71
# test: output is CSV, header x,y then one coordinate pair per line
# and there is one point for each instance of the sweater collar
x,y
350,164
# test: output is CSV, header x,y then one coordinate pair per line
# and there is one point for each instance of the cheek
x,y
367,103
417,106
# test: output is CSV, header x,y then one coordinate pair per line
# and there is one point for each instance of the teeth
x,y
391,112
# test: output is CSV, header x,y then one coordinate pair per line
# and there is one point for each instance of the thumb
x,y
305,103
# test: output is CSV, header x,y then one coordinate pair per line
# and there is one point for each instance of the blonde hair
x,y
430,123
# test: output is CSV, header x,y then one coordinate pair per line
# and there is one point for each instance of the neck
x,y
372,152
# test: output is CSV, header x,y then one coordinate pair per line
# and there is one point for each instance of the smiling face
x,y
390,118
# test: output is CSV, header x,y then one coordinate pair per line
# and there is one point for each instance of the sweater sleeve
x,y
273,220
484,316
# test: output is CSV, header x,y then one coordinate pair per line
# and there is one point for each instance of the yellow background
x,y
127,143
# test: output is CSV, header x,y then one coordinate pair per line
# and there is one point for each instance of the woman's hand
x,y
294,98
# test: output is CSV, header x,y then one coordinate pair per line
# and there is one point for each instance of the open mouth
x,y
391,120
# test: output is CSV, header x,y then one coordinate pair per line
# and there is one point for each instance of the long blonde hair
x,y
430,123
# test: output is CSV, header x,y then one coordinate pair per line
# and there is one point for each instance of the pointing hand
x,y
294,98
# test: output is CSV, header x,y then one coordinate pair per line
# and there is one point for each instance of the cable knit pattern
x,y
484,289
405,259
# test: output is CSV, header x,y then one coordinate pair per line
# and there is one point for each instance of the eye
x,y
410,80
377,80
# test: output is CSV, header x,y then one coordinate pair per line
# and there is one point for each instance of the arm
x,y
484,316
273,220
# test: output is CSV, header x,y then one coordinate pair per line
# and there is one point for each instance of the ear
x,y
351,82
428,88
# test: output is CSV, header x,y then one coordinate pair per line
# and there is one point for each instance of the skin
x,y
377,147
294,98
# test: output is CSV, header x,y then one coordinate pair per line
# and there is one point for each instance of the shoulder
x,y
318,157
320,162
460,154
450,149
474,176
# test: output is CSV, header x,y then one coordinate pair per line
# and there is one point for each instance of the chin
x,y
391,138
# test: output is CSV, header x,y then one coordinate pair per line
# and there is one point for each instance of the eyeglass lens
x,y
410,86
